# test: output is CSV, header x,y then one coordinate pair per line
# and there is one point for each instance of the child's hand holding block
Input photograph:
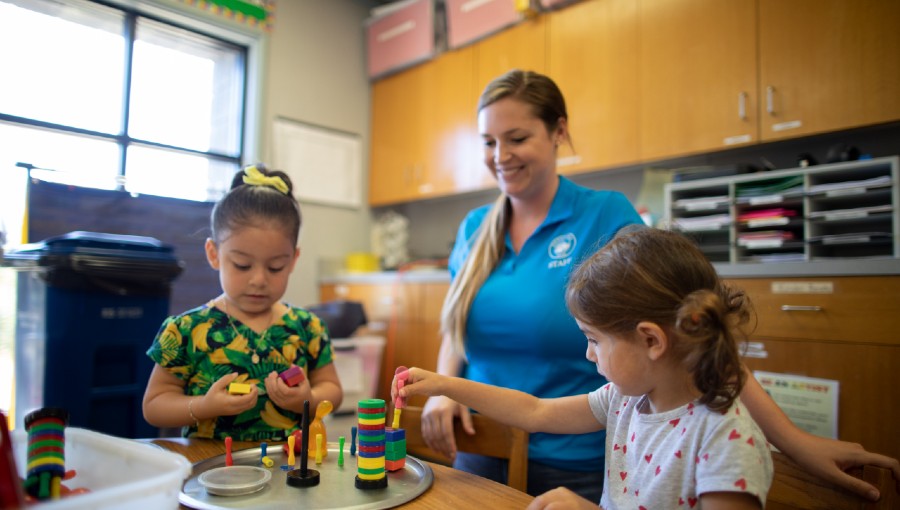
x,y
292,376
238,388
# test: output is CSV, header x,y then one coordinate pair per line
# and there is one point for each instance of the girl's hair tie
x,y
254,177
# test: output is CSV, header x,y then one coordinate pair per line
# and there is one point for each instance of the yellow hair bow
x,y
254,177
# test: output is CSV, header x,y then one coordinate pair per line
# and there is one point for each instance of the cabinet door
x,y
827,65
451,140
522,46
869,385
591,56
396,137
697,76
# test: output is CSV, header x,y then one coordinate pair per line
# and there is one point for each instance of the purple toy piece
x,y
292,376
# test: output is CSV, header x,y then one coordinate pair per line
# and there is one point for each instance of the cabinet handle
x,y
742,105
798,308
770,100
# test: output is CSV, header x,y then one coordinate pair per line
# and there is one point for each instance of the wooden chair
x,y
492,439
794,489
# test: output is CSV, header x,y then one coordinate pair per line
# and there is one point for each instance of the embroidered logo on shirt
x,y
561,249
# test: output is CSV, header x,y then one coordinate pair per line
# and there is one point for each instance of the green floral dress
x,y
200,346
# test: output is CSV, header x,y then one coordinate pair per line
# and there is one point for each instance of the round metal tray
x,y
336,488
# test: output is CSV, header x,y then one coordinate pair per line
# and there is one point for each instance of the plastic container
x,y
88,307
359,262
120,473
358,363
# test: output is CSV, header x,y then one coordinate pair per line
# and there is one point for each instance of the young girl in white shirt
x,y
663,329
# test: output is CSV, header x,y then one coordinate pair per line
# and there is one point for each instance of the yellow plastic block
x,y
238,388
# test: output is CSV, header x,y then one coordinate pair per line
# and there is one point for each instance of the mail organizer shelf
x,y
829,212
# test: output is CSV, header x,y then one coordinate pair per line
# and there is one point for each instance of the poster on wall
x,y
325,165
255,13
811,403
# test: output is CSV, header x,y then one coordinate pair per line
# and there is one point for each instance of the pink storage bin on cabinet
x,y
401,36
470,20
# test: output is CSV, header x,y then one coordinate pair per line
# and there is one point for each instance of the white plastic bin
x,y
120,473
358,363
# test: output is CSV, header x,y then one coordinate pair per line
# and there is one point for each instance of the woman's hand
x,y
829,458
559,499
437,424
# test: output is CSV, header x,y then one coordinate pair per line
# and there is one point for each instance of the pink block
x,y
292,376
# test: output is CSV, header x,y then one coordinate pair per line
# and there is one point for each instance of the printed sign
x,y
811,403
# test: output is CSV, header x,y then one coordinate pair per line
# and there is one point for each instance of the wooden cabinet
x,y
522,46
423,146
397,136
827,65
645,81
410,312
841,328
698,76
591,56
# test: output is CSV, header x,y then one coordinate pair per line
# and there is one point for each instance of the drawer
x,y
853,309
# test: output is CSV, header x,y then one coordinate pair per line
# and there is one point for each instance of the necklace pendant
x,y
254,358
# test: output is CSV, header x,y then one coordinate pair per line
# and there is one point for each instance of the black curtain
x,y
56,209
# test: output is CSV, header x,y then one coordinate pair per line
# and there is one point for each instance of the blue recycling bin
x,y
89,304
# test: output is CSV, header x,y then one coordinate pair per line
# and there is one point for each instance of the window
x,y
112,98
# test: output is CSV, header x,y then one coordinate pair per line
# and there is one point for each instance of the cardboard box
x,y
120,473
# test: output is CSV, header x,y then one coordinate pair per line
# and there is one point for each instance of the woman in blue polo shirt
x,y
505,320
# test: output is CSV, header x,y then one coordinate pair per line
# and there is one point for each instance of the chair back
x,y
794,489
491,438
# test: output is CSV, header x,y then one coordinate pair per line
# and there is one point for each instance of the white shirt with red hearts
x,y
667,460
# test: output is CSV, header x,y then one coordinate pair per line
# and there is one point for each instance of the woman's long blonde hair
x,y
548,104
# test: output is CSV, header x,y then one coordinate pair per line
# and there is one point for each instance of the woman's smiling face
x,y
518,149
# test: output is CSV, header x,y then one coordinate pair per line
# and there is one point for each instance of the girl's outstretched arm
x,y
824,457
566,415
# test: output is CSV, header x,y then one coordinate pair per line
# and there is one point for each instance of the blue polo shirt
x,y
519,333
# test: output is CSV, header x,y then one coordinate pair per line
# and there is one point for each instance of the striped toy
x,y
46,452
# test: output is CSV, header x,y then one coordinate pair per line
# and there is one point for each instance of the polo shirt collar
x,y
561,209
563,205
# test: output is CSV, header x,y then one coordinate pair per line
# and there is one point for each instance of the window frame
x,y
251,44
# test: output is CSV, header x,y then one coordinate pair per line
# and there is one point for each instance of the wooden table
x,y
451,488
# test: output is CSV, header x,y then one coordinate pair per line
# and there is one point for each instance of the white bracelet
x,y
191,411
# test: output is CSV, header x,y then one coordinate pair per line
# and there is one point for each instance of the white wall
x,y
315,72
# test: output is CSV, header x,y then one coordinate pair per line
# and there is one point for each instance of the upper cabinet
x,y
591,55
522,46
397,136
827,65
421,146
645,80
697,63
